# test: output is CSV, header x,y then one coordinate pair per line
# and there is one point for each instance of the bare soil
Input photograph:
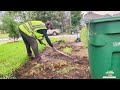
x,y
58,66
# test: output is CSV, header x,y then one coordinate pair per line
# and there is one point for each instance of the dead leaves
x,y
67,70
60,63
57,66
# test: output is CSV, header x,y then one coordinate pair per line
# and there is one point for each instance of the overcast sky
x,y
104,12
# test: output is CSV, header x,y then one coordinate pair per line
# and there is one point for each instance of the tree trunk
x,y
14,39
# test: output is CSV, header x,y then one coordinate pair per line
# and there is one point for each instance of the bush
x,y
84,36
67,50
11,26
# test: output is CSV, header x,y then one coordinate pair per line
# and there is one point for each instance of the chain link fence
x,y
84,36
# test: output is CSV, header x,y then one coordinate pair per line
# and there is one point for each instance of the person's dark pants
x,y
30,41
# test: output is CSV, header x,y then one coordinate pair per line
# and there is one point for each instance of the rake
x,y
64,54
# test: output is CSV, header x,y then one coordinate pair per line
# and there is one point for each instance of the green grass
x,y
13,56
67,70
84,36
67,50
4,35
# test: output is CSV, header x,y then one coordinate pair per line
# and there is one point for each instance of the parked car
x,y
53,32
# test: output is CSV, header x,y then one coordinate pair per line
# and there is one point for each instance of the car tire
x,y
54,33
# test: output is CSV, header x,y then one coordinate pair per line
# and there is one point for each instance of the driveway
x,y
5,40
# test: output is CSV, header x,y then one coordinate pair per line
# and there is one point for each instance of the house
x,y
106,16
116,15
90,15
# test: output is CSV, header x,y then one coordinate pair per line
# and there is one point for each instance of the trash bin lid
x,y
104,20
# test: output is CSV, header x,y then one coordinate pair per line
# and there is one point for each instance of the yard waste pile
x,y
58,66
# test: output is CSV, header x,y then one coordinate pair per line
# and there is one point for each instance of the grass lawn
x,y
4,35
13,56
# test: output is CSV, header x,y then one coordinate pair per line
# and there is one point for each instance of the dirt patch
x,y
58,66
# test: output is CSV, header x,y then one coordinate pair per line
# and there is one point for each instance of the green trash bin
x,y
104,48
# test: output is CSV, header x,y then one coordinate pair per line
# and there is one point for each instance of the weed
x,y
84,36
67,50
67,70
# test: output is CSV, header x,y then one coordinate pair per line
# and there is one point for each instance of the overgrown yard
x,y
58,66
14,62
13,56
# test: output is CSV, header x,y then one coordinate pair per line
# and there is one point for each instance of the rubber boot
x,y
37,59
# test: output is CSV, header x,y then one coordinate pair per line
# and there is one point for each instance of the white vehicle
x,y
53,32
